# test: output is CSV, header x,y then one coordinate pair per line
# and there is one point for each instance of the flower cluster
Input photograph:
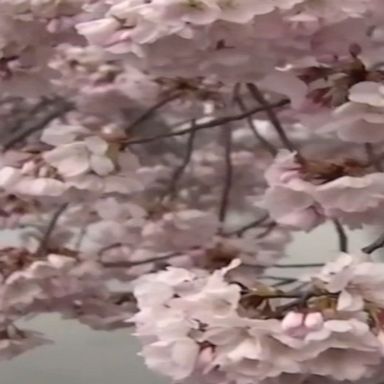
x,y
205,327
152,143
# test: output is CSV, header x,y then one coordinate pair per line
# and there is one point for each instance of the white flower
x,y
174,358
99,31
367,92
298,324
78,158
181,230
357,280
243,11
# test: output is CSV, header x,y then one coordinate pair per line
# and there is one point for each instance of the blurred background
x,y
82,356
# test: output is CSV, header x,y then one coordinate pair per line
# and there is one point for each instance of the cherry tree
x,y
158,156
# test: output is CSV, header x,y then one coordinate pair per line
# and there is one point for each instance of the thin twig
x,y
373,158
301,301
228,177
130,264
279,278
263,141
209,124
18,136
377,244
272,116
267,231
26,116
255,223
283,295
283,283
288,266
187,158
44,243
342,236
151,111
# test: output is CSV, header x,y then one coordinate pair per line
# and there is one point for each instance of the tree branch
x,y
44,244
285,280
342,236
187,158
377,244
130,264
18,136
210,124
373,158
255,223
264,142
228,178
151,111
310,265
272,116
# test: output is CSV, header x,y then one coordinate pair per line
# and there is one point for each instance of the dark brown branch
x,y
342,236
267,230
286,280
245,228
373,158
130,264
228,177
59,110
151,111
210,124
24,116
187,158
272,116
301,296
264,142
301,301
44,243
377,244
311,265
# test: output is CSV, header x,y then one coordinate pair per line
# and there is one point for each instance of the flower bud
x,y
314,321
292,320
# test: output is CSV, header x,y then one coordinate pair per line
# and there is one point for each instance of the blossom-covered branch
x,y
133,152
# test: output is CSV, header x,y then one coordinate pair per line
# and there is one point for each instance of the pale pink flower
x,y
287,84
180,230
367,92
78,158
99,31
245,10
298,324
357,123
357,279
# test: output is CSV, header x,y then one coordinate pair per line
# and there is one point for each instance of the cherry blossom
x,y
173,148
